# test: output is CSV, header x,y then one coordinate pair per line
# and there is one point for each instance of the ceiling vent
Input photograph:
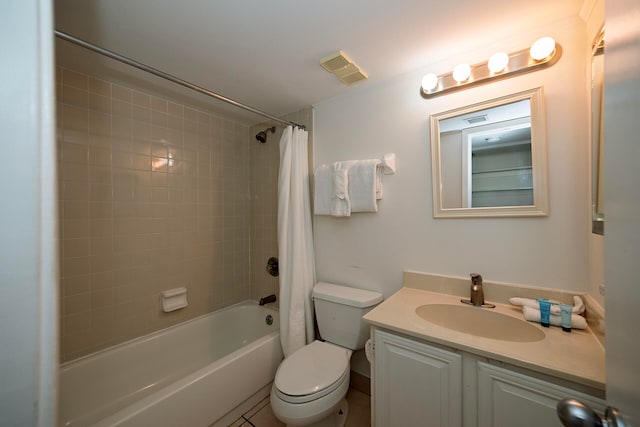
x,y
476,119
343,67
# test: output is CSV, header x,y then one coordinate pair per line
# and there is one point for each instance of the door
x,y
622,205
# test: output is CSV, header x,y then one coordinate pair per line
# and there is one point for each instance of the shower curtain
x,y
295,242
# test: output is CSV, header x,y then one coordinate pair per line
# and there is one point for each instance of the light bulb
x,y
429,82
542,48
461,72
498,62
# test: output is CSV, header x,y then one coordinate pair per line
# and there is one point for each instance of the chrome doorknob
x,y
574,413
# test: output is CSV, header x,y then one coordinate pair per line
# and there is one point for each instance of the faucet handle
x,y
476,279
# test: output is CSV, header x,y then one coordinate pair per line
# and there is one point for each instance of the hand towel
x,y
322,190
340,201
533,315
365,185
578,305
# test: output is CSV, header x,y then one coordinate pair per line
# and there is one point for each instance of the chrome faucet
x,y
477,295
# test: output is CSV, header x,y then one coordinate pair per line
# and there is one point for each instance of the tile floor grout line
x,y
249,421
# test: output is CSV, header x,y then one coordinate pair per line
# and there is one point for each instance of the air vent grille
x,y
476,119
343,67
337,61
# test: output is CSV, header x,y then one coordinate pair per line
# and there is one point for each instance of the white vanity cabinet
x,y
415,384
507,398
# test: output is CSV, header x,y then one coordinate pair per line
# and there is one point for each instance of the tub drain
x,y
269,319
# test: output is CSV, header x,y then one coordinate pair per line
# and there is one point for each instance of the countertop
x,y
576,356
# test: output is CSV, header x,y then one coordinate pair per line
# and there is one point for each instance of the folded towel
x,y
533,315
322,190
365,185
340,201
578,305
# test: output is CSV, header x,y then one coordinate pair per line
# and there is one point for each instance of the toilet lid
x,y
311,369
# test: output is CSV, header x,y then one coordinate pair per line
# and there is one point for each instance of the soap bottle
x,y
545,311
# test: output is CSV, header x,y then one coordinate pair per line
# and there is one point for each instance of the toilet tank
x,y
339,311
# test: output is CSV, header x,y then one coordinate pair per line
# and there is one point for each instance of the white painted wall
x,y
371,250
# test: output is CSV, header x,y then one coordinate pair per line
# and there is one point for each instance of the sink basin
x,y
480,322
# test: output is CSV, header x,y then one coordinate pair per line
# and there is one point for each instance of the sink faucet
x,y
477,295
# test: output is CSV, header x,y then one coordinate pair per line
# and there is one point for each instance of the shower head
x,y
262,135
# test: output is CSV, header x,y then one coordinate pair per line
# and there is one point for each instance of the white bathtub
x,y
202,372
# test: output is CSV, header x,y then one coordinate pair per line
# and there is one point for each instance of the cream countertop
x,y
575,356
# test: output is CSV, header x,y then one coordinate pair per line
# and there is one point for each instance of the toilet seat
x,y
312,372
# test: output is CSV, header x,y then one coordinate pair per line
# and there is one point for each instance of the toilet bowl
x,y
311,384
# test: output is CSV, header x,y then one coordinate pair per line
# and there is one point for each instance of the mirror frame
x,y
540,205
597,140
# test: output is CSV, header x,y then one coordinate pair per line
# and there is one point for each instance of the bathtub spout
x,y
267,299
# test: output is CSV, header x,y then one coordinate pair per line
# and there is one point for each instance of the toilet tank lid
x,y
345,295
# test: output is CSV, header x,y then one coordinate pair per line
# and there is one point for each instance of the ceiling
x,y
266,53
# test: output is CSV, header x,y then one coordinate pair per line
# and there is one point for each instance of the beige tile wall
x,y
265,162
153,195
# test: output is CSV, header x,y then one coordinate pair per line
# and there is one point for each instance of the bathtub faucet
x,y
267,299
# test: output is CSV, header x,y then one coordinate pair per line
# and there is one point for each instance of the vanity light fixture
x,y
498,62
543,53
461,72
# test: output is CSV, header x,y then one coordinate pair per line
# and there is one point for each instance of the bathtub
x,y
203,372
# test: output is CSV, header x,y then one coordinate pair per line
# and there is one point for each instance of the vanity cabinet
x,y
507,398
415,383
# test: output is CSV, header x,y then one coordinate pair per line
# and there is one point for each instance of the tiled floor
x,y
261,415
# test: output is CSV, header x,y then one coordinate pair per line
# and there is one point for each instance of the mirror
x,y
597,85
489,159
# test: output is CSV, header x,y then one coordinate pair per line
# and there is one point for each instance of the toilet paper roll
x,y
368,350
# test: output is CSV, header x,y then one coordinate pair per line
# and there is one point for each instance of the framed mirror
x,y
597,86
490,159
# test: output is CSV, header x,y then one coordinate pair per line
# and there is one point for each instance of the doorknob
x,y
574,413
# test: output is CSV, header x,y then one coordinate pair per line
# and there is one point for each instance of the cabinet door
x,y
507,398
415,384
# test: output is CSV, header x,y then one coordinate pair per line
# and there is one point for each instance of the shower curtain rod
x,y
121,58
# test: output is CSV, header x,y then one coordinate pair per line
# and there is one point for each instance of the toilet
x,y
311,384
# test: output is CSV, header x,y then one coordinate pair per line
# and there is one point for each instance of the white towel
x,y
322,190
340,201
365,185
578,305
533,315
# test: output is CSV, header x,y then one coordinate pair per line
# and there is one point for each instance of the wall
x,y
153,195
265,166
371,250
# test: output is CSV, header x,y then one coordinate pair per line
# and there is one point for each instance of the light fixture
x,y
461,72
498,62
542,48
429,82
543,53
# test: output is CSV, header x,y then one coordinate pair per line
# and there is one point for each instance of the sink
x,y
480,322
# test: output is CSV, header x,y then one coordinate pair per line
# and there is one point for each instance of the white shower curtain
x,y
295,242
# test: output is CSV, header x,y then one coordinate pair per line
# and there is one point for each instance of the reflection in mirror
x,y
489,159
597,85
